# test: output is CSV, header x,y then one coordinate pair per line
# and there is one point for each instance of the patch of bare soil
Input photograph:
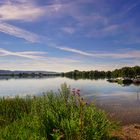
x,y
128,132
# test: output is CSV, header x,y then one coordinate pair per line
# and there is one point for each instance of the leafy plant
x,y
53,116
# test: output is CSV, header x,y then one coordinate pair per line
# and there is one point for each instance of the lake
x,y
121,102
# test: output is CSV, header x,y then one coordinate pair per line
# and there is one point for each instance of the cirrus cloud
x,y
18,32
119,55
20,11
25,54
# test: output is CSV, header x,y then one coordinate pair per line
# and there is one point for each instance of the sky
x,y
64,35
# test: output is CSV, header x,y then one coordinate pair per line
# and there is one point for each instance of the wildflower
x,y
74,91
78,92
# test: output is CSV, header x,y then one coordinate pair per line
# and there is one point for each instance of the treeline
x,y
30,74
130,72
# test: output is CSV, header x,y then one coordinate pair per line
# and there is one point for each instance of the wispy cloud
x,y
49,64
120,55
130,7
25,54
80,18
39,57
69,30
18,32
23,11
20,11
75,51
111,28
27,10
61,65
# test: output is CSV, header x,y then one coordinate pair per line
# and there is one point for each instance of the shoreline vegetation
x,y
124,76
63,116
129,72
125,72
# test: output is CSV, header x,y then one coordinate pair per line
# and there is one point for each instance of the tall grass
x,y
61,116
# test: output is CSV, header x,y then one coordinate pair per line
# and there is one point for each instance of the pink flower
x,y
78,93
78,90
73,90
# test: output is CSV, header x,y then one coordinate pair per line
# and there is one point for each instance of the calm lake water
x,y
118,100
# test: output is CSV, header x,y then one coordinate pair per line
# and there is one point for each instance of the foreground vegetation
x,y
130,72
63,116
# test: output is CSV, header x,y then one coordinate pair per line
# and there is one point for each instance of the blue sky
x,y
63,35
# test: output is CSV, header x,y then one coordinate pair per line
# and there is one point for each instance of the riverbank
x,y
128,132
128,117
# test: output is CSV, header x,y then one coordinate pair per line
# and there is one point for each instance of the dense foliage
x,y
63,116
123,72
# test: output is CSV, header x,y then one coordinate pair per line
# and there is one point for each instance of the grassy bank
x,y
53,116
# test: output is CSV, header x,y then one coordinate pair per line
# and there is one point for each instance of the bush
x,y
63,116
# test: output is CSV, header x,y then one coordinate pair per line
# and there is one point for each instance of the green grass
x,y
61,116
